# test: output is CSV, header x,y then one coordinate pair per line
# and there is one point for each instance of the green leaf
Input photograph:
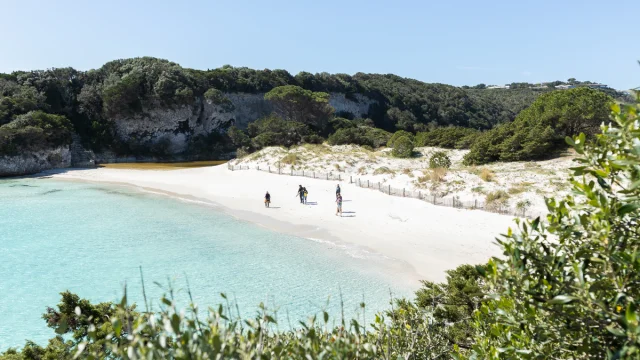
x,y
569,141
625,209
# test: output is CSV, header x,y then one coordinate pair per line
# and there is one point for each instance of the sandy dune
x,y
529,181
421,239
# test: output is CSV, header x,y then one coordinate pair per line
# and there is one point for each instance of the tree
x,y
402,119
541,128
272,130
294,103
238,137
569,288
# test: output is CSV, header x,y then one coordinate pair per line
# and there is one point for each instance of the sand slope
x,y
422,239
529,181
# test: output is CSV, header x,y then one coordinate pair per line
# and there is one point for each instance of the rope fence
x,y
450,201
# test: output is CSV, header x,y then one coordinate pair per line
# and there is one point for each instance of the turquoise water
x,y
92,239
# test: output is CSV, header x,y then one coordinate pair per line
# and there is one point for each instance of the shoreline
x,y
387,227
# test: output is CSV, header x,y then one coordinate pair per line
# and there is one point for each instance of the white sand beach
x,y
423,240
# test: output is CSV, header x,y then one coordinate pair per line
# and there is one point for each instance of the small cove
x,y
92,239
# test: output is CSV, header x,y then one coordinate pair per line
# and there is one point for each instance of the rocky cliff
x,y
31,163
176,126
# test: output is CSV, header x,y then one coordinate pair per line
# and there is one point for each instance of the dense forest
x,y
88,103
567,287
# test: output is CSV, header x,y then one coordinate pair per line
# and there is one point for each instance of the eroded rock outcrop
x,y
35,162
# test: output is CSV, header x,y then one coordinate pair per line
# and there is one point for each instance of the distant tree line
x,y
91,100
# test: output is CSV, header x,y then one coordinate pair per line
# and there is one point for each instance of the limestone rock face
x,y
177,125
173,127
35,162
358,107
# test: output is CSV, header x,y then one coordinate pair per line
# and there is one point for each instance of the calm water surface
x,y
92,239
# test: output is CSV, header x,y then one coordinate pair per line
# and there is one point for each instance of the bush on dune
x,y
403,147
439,159
447,137
363,135
397,135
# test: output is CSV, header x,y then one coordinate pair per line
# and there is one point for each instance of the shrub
x,y
446,137
497,200
403,147
360,136
439,159
338,123
312,139
486,175
397,135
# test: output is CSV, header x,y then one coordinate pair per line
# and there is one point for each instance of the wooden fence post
x,y
434,199
367,184
302,173
350,179
402,192
420,195
339,179
475,204
389,189
327,176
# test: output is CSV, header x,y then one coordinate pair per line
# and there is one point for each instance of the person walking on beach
x,y
337,190
339,203
300,193
304,194
267,199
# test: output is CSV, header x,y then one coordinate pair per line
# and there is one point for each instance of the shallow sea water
x,y
91,239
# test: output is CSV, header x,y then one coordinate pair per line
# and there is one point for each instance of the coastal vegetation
x,y
95,101
34,131
565,287
539,130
